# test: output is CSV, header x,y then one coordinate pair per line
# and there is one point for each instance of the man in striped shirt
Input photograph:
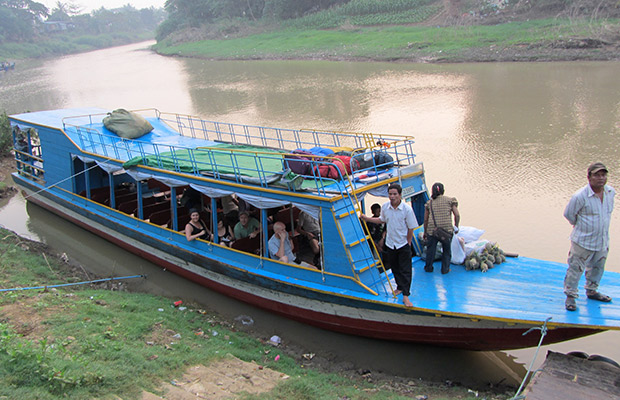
x,y
589,212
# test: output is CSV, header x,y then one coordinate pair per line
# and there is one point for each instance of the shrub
x,y
369,12
6,139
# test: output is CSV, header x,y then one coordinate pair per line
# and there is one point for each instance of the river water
x,y
511,141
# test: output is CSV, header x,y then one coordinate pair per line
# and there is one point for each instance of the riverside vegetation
x,y
96,341
29,29
399,30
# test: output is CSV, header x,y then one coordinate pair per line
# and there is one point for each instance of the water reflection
x,y
283,94
26,88
123,77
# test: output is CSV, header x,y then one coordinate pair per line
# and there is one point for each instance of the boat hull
x,y
326,310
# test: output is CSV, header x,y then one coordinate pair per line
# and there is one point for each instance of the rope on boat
x,y
66,179
543,332
74,284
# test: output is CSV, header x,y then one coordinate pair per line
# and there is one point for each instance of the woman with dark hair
x,y
196,228
224,233
438,214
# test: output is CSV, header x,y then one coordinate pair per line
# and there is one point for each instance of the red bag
x,y
346,160
327,171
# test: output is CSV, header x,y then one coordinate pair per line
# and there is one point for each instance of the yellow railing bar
x,y
342,240
379,262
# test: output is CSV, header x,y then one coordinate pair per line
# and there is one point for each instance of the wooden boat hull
x,y
323,309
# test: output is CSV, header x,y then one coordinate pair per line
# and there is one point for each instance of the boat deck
x,y
498,293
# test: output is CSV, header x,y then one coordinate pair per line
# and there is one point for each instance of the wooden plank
x,y
571,378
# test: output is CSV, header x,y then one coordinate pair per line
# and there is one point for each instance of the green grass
x,y
88,343
382,43
62,44
368,12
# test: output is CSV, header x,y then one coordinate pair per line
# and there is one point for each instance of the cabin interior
x,y
169,207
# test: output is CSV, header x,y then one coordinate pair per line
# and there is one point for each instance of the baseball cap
x,y
595,167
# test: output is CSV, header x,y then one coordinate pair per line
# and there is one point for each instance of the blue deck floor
x,y
522,289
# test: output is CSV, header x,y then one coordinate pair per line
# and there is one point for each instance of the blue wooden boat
x,y
127,191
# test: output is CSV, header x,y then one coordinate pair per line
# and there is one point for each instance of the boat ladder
x,y
364,258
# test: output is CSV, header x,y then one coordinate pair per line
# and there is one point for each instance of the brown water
x,y
511,141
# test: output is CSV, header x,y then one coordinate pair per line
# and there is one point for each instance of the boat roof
x,y
71,120
199,147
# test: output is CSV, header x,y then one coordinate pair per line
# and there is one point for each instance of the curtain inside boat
x,y
107,166
380,191
257,201
141,176
138,176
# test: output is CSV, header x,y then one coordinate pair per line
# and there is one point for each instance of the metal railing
x,y
246,165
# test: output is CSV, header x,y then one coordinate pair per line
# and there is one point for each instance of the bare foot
x,y
406,302
397,292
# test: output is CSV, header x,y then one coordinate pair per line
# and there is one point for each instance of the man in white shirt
x,y
589,212
400,221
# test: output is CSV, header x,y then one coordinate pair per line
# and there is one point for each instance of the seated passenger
x,y
196,228
310,230
224,233
280,245
247,226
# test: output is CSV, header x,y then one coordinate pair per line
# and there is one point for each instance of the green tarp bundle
x,y
127,124
223,158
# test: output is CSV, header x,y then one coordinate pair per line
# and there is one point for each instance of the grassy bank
x,y
63,44
536,40
89,341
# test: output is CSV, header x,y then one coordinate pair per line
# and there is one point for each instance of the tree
x,y
19,17
64,11
191,13
30,8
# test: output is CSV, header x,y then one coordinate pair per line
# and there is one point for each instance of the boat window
x,y
28,156
305,245
157,208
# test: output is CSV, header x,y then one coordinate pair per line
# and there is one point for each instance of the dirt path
x,y
7,166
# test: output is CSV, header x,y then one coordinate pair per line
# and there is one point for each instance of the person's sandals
x,y
598,296
571,304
